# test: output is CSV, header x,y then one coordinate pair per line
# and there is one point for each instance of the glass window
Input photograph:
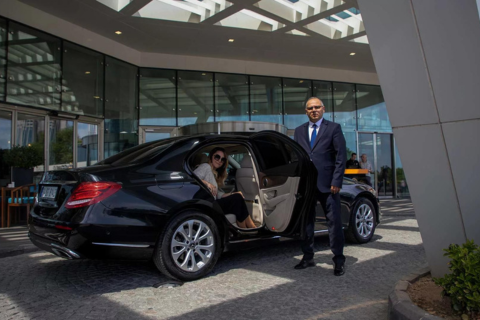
x,y
266,99
323,90
271,153
31,132
82,81
60,144
3,57
295,95
231,97
87,144
195,97
372,112
33,68
5,144
402,185
345,113
157,97
121,123
344,105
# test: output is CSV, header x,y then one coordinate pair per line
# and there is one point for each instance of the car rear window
x,y
139,153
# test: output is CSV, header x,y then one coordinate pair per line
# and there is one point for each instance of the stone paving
x,y
254,283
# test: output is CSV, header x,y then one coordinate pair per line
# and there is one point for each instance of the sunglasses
x,y
218,157
316,107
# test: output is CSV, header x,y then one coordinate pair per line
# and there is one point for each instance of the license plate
x,y
48,193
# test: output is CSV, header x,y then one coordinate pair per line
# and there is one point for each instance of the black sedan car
x,y
146,203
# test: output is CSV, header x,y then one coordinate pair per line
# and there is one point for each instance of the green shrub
x,y
462,285
23,157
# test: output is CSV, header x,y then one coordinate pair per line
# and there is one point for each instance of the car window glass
x,y
138,153
272,153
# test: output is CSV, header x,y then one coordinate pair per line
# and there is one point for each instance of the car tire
x,y
189,247
363,221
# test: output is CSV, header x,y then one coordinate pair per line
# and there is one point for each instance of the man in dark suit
x,y
324,142
352,163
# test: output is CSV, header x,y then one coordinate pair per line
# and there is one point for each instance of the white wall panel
x,y
430,182
463,145
450,33
399,61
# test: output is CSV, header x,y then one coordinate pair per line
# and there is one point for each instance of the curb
x,y
18,251
400,307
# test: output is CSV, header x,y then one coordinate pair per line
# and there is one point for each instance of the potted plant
x,y
22,159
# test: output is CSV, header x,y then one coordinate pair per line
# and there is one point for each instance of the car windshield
x,y
139,153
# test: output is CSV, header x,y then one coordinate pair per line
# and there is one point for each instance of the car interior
x,y
270,203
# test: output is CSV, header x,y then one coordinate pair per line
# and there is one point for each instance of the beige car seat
x,y
247,184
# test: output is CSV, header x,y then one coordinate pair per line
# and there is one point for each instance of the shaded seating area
x,y
16,203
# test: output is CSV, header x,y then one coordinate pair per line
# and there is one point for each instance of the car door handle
x,y
273,202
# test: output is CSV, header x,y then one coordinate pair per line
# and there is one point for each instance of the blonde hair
x,y
220,174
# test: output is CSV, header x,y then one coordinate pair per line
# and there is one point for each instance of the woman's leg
x,y
235,204
249,223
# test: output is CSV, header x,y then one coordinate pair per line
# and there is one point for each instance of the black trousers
x,y
234,204
332,208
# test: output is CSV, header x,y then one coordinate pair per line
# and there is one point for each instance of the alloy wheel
x,y
364,220
192,245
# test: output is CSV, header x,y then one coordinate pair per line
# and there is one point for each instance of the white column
x,y
426,53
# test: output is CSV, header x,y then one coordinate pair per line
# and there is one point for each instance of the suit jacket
x,y
329,153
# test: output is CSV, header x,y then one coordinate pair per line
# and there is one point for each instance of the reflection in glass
x,y
157,97
3,57
344,106
295,94
60,144
231,97
384,164
365,146
152,136
402,185
121,123
323,90
5,144
372,112
87,144
82,81
266,99
33,68
31,132
195,97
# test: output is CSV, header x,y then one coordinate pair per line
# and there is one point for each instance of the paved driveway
x,y
258,283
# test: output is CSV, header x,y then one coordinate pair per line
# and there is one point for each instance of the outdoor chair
x,y
23,196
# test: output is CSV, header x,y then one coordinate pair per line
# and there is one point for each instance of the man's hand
x,y
334,189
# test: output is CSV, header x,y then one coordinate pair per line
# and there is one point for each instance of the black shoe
x,y
305,264
339,270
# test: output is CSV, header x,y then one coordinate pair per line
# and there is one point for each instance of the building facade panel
x,y
434,198
399,56
464,155
456,26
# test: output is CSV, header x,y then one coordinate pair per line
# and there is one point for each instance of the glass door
x,y
5,144
148,134
86,144
377,150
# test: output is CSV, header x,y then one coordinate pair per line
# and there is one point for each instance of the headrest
x,y
246,162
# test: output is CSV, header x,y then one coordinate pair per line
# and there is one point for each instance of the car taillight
x,y
88,193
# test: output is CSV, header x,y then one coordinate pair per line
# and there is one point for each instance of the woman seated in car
x,y
213,174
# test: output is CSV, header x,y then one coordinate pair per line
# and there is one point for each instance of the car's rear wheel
x,y
189,247
362,222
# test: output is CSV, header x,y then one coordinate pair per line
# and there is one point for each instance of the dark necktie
x,y
314,135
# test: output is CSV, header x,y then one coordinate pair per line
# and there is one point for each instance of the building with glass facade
x,y
77,105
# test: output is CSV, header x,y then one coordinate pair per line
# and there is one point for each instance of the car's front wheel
x,y
189,247
362,222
